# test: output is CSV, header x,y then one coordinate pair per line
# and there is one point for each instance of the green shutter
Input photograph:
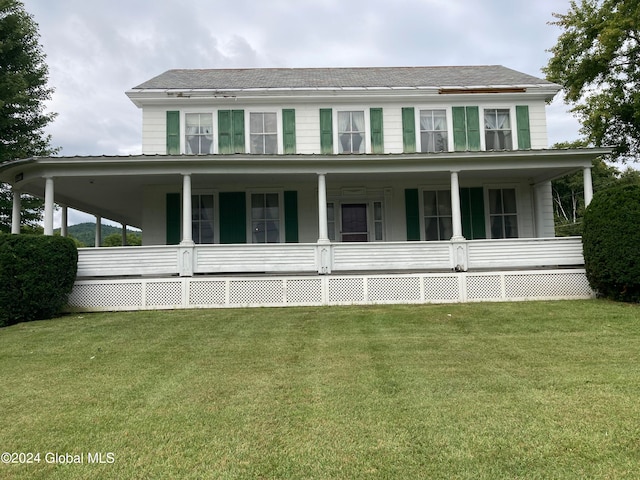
x,y
172,210
473,128
412,209
459,118
472,209
224,131
408,130
377,134
524,133
233,212
173,133
289,130
237,118
291,216
326,131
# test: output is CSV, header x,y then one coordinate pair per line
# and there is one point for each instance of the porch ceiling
x,y
113,187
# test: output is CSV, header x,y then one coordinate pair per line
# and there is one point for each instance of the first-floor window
x,y
351,132
202,218
503,213
433,131
264,133
497,129
331,221
438,224
198,133
265,217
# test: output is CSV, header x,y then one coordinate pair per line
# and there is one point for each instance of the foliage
x,y
23,91
115,240
85,234
610,241
525,390
37,274
596,61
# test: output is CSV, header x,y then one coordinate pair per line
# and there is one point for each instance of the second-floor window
x,y
351,132
198,133
433,131
497,129
264,133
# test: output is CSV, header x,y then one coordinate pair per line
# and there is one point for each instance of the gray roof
x,y
380,77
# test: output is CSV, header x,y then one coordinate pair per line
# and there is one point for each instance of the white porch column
x,y
64,220
456,214
588,186
15,215
323,231
48,206
187,236
97,242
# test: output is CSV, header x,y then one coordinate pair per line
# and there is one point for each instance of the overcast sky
x,y
98,49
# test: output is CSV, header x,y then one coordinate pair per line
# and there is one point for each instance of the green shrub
x,y
611,242
36,276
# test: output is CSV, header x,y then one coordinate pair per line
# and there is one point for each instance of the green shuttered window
x,y
173,133
326,131
409,130
524,132
472,209
377,133
289,130
231,131
466,128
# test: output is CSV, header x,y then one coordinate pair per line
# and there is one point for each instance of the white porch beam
x,y
323,232
16,215
48,206
588,186
456,213
187,236
97,242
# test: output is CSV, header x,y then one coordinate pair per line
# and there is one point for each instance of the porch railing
x,y
331,257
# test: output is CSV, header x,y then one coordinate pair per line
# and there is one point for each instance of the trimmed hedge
x,y
611,243
36,276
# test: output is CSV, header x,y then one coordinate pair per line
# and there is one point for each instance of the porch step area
x,y
316,290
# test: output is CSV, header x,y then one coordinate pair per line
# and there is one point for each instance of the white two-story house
x,y
326,185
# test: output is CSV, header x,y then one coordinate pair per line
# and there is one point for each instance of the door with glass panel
x,y
354,222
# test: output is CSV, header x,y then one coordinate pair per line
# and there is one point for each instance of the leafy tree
x,y
115,240
23,91
596,61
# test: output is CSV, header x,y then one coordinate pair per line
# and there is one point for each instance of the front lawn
x,y
479,391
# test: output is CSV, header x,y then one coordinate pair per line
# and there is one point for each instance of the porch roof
x,y
113,186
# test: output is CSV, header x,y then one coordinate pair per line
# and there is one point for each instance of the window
x,y
202,218
199,133
433,131
503,213
265,218
351,132
497,129
438,224
264,133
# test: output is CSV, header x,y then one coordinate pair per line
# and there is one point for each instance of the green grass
x,y
531,390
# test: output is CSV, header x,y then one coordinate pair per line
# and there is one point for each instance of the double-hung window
x,y
265,218
198,133
351,132
264,132
202,226
497,129
433,131
503,213
438,224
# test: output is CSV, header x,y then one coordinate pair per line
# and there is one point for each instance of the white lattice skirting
x,y
225,292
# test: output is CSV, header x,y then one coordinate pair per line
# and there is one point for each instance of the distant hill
x,y
85,233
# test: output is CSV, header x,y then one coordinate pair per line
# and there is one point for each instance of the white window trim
x,y
367,127
216,212
281,225
512,122
487,207
448,110
368,198
247,127
421,190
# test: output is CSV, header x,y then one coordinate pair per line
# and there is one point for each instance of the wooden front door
x,y
354,222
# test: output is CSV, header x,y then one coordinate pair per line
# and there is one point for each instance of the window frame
x,y
366,134
334,228
216,216
423,224
448,122
278,133
489,215
512,126
184,140
249,216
